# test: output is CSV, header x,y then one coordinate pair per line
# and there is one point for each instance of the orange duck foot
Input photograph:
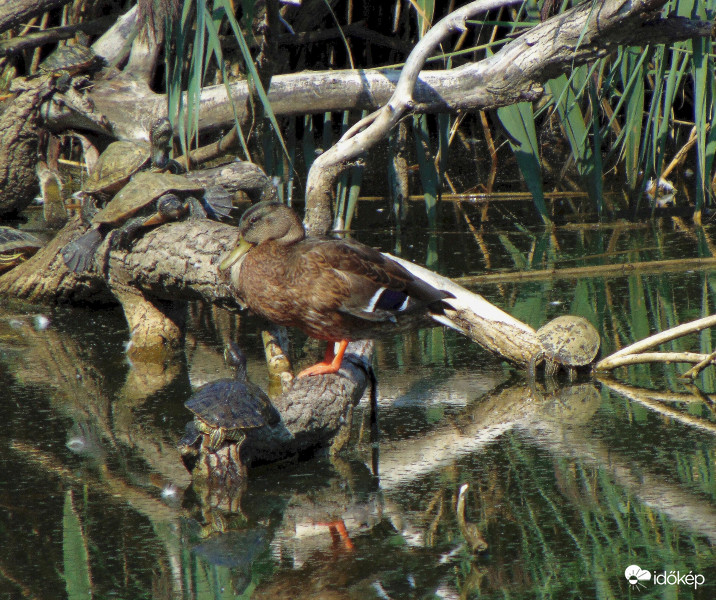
x,y
331,362
339,533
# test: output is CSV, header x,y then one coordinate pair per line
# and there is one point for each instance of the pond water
x,y
568,490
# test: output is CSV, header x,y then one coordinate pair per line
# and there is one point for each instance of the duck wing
x,y
368,285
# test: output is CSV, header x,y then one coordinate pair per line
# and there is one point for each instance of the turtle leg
x,y
216,439
169,208
196,210
571,373
122,238
9,261
79,253
532,368
551,367
88,206
532,373
174,167
240,466
218,202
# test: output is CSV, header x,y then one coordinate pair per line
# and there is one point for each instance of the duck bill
x,y
236,254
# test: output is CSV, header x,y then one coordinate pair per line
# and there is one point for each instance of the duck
x,y
337,290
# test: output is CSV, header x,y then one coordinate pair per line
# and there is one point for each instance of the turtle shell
x,y
74,59
569,340
15,240
140,192
232,404
116,165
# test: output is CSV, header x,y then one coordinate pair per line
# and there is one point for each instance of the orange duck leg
x,y
331,362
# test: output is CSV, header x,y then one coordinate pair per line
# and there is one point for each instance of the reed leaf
x,y
342,185
397,172
308,141
518,121
426,165
213,22
226,6
78,582
704,84
632,63
356,178
575,127
596,189
444,128
674,76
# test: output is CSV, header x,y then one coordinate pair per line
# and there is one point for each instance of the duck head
x,y
263,222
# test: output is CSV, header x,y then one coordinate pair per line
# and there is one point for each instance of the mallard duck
x,y
334,290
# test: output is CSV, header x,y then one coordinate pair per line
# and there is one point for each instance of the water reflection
x,y
566,486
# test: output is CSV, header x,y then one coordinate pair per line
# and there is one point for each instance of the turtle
x,y
122,159
224,409
73,59
150,198
16,246
567,341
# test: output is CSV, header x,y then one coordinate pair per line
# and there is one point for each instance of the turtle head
x,y
160,138
169,208
234,356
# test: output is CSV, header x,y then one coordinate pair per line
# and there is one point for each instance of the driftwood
x,y
16,12
20,127
636,353
514,73
177,262
655,402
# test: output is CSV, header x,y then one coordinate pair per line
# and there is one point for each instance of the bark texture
x,y
16,12
19,141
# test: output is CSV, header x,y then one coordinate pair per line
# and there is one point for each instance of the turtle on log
x,y
568,341
122,159
16,246
151,198
225,409
73,59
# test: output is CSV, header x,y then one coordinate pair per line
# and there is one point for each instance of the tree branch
x,y
515,73
16,12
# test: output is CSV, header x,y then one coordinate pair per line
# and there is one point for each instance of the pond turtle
x,y
122,159
16,246
151,198
73,59
567,341
226,408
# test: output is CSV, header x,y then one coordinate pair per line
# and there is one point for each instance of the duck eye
x,y
255,219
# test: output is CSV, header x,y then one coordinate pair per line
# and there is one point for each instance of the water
x,y
568,490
